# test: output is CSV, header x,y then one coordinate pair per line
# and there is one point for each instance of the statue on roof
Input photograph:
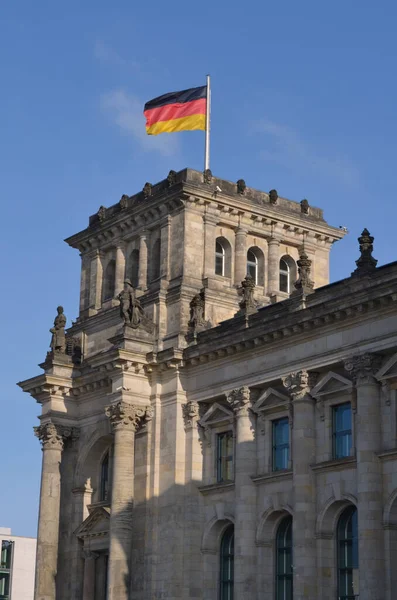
x,y
58,339
131,310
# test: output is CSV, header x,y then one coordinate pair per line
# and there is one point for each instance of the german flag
x,y
177,111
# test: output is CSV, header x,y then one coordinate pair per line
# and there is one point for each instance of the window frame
x,y
286,575
253,263
226,586
283,446
347,517
287,273
343,433
222,462
220,255
109,284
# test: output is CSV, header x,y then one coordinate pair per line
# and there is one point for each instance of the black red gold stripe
x,y
177,111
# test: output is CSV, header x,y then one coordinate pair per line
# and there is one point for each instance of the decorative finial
x,y
305,207
147,189
171,178
241,187
366,264
123,201
207,176
248,303
304,285
273,197
101,213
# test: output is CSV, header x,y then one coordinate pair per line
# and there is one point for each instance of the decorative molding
x,y
298,384
123,415
53,436
190,412
338,464
239,400
363,367
216,487
286,474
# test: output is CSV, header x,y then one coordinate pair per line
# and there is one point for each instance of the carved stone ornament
x,y
197,307
131,310
239,400
248,303
124,415
53,436
123,201
171,178
101,214
190,414
58,339
366,264
207,176
147,189
273,197
304,284
362,367
241,187
297,384
305,207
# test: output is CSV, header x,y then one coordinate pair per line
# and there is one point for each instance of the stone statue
x,y
248,303
273,196
241,187
366,263
304,285
58,340
147,190
305,206
207,176
197,305
171,178
131,310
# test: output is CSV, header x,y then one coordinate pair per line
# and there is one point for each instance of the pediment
x,y
96,524
270,397
389,369
331,383
216,414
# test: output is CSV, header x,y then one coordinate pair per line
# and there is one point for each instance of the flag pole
x,y
207,126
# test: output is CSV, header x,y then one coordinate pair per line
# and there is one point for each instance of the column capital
x,y
274,241
362,367
53,436
211,220
89,554
123,415
190,412
299,383
240,401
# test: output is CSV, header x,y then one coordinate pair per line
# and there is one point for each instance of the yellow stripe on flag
x,y
183,124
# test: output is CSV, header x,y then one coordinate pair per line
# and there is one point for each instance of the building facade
x,y
17,566
220,421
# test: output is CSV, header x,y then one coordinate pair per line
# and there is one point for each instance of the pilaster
x,y
273,265
143,261
240,269
120,267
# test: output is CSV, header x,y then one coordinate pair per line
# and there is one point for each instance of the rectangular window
x,y
342,430
280,444
4,586
224,462
6,554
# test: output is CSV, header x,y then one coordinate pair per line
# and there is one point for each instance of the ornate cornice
x,y
239,400
53,436
191,415
123,415
362,368
298,384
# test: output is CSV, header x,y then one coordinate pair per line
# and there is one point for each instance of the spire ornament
x,y
304,285
366,264
248,304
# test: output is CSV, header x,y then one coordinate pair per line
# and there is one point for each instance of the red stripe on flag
x,y
175,111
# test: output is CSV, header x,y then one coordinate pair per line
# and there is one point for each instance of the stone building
x,y
219,422
17,566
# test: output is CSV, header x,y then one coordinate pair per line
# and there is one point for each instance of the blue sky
x,y
304,101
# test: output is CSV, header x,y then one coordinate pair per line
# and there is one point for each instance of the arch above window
x,y
109,280
226,578
347,550
287,274
284,560
223,255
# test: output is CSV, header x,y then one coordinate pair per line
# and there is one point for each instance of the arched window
x,y
156,255
347,535
284,560
219,259
134,268
227,565
252,266
104,488
287,271
109,280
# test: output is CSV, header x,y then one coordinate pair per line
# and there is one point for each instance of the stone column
x,y
240,265
52,439
369,476
273,265
120,268
125,419
303,456
143,254
89,575
165,236
210,223
245,497
96,277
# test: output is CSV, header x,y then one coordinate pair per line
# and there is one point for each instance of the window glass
x,y
280,444
219,259
109,280
227,565
342,430
134,267
252,266
105,478
6,554
348,584
284,276
224,470
284,560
